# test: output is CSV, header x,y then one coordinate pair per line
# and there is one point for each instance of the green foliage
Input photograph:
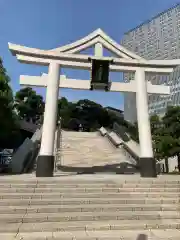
x,y
163,145
30,106
156,124
171,121
8,118
85,112
166,134
65,109
132,129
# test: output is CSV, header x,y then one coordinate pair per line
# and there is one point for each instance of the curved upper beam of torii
x,y
97,36
67,55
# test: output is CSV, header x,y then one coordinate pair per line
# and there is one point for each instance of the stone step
x,y
72,156
92,152
50,184
88,190
85,139
88,147
89,216
69,157
89,156
96,187
91,180
12,191
104,235
80,134
90,226
92,162
101,186
119,195
84,201
87,208
61,185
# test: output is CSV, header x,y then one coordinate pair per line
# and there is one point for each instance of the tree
x,y
73,124
163,145
65,110
30,106
90,114
85,112
171,122
132,129
155,123
8,117
62,103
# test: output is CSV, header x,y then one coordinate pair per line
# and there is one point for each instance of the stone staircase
x,y
87,207
90,150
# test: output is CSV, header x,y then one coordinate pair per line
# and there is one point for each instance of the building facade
x,y
158,38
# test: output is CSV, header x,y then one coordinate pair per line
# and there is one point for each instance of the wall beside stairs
x,y
24,158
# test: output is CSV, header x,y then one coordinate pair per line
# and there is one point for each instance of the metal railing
x,y
58,148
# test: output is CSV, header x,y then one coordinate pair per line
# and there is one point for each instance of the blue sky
x,y
48,24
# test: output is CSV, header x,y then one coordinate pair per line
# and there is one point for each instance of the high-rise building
x,y
158,38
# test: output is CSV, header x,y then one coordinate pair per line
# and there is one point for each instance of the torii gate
x,y
68,56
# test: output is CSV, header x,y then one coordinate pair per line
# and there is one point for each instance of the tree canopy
x,y
165,134
85,112
171,122
30,106
8,117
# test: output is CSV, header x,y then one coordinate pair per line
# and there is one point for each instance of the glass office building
x,y
158,38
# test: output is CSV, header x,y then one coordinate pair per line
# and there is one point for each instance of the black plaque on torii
x,y
100,75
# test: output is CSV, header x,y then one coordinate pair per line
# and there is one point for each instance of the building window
x,y
169,14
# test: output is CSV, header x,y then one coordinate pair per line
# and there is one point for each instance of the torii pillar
x,y
45,162
147,162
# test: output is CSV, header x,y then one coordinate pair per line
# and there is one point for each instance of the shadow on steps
x,y
121,168
142,237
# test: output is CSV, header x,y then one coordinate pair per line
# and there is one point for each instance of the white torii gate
x,y
68,56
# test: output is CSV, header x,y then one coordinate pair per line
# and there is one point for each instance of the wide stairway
x,y
89,150
88,207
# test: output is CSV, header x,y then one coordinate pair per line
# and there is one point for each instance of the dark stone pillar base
x,y
147,167
45,166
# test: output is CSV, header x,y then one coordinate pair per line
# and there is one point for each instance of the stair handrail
x,y
58,145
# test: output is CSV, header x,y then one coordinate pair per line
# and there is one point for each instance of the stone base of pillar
x,y
45,166
147,167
